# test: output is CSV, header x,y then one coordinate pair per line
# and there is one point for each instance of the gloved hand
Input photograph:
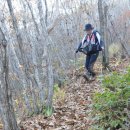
x,y
102,48
79,48
76,51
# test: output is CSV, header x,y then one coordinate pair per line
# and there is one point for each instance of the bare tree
x,y
21,47
8,115
46,12
103,29
47,56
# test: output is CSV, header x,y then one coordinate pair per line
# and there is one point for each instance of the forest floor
x,y
72,108
71,113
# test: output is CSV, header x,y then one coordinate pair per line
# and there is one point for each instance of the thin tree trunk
x,y
103,29
32,14
7,109
20,43
106,52
35,70
47,48
46,13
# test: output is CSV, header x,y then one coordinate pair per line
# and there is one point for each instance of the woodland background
x,y
38,39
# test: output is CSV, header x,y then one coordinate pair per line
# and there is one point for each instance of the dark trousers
x,y
90,60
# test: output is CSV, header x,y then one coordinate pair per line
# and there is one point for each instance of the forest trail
x,y
41,72
72,114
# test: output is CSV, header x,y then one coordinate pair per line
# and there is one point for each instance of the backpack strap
x,y
95,34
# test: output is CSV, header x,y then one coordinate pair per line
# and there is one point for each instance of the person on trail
x,y
90,46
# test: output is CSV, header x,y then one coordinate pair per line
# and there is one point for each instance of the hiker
x,y
90,46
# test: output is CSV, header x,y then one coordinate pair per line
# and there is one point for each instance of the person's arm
x,y
100,41
79,47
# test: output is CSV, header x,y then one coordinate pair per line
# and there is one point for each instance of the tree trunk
x,y
35,72
14,59
46,13
47,48
8,115
103,29
106,52
20,43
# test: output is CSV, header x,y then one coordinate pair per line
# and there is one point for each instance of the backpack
x,y
89,47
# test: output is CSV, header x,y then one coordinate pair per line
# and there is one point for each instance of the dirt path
x,y
78,99
70,115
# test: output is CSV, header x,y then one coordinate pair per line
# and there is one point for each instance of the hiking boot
x,y
92,78
87,76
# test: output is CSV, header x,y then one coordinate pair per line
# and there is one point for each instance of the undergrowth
x,y
111,107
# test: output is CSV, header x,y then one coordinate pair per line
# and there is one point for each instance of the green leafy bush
x,y
110,105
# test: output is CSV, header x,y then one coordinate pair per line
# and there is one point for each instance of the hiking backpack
x,y
91,47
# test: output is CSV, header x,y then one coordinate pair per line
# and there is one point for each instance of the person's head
x,y
88,28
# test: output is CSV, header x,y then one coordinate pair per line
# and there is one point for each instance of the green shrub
x,y
110,105
59,94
